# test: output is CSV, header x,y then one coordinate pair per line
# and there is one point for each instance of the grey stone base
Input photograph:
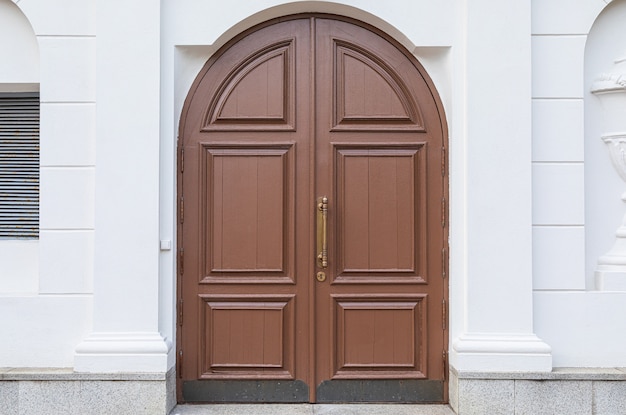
x,y
61,391
312,409
572,391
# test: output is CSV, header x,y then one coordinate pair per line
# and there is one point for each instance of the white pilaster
x,y
497,306
125,333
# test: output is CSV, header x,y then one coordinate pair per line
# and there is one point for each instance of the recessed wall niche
x,y
604,208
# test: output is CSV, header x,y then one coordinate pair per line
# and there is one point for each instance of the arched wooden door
x,y
312,221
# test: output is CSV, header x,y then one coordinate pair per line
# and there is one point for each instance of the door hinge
x,y
181,261
179,364
444,314
182,209
443,212
180,312
443,161
444,365
182,159
444,262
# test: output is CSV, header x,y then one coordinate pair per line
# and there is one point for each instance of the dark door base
x,y
383,391
269,391
330,391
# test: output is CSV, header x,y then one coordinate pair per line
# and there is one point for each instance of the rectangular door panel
x,y
380,337
381,234
249,214
247,336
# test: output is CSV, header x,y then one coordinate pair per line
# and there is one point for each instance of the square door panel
x,y
247,336
249,214
381,213
379,336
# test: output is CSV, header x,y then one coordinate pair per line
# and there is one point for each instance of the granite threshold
x,y
68,374
557,373
313,409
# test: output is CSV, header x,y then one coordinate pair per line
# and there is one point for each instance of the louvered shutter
x,y
19,165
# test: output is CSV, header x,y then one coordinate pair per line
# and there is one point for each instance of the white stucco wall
x,y
46,284
23,66
577,205
19,266
527,193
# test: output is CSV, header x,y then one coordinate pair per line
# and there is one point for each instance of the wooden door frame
x,y
180,168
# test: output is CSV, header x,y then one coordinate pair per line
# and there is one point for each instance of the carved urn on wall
x,y
610,88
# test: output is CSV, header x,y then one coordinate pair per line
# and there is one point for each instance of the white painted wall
x,y
558,146
19,266
580,323
125,334
46,284
18,41
533,198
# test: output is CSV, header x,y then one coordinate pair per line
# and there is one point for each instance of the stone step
x,y
312,409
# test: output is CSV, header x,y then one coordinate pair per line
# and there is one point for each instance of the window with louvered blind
x,y
19,165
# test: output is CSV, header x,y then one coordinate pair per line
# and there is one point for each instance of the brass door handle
x,y
322,232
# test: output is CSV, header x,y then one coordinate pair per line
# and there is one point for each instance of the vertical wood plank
x,y
270,215
355,213
383,224
240,212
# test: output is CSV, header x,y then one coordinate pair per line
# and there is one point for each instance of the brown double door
x,y
286,296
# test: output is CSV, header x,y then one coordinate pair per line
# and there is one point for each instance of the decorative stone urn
x,y
610,88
